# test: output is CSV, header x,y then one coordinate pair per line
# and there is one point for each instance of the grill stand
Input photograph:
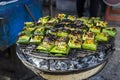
x,y
73,76
67,76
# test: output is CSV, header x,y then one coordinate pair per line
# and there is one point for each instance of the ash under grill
x,y
76,60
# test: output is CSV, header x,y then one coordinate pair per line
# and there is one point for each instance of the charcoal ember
x,y
27,51
81,66
30,46
30,59
101,56
22,46
52,65
89,61
82,63
76,53
92,61
56,65
72,64
36,62
72,55
84,60
43,64
40,63
61,65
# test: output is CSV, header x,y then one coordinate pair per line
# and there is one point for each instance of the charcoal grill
x,y
78,65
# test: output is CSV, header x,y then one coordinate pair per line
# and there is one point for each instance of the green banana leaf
x,y
58,51
101,37
74,43
36,39
24,39
45,47
110,31
89,45
95,29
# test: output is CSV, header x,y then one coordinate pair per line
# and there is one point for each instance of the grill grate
x,y
104,47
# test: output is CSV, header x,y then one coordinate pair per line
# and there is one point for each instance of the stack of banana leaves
x,y
58,35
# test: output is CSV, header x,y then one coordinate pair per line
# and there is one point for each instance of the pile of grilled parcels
x,y
57,36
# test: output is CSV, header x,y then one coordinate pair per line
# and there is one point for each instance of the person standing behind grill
x,y
94,6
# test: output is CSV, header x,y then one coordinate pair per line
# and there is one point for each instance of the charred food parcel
x,y
57,36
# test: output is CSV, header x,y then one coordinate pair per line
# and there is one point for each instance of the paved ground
x,y
8,71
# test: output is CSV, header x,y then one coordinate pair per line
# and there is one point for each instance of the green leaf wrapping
x,y
45,47
110,31
89,45
24,39
74,43
101,37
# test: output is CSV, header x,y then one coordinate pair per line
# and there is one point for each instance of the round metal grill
x,y
77,60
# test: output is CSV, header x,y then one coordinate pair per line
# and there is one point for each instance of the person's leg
x,y
80,7
94,7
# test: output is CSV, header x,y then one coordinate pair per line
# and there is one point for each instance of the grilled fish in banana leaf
x,y
36,39
62,39
51,23
53,20
101,37
89,44
52,31
95,29
46,45
83,19
29,30
75,43
61,16
110,31
95,20
44,20
29,24
60,48
75,34
62,32
24,39
71,17
40,31
88,35
102,24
